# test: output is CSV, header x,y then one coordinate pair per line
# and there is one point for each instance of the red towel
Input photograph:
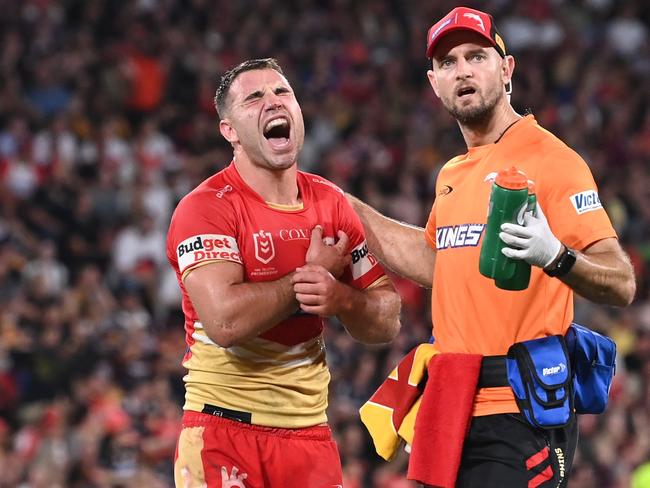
x,y
443,419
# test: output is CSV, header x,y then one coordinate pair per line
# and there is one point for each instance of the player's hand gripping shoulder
x,y
370,315
333,258
317,288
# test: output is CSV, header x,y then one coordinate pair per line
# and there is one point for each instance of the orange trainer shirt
x,y
469,313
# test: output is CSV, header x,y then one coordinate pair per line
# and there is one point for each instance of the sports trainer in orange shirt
x,y
570,244
251,250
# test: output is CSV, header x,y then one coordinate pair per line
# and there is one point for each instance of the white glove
x,y
533,242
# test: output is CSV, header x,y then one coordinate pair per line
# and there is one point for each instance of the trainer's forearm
x,y
401,247
605,278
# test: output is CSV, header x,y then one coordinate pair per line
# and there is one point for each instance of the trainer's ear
x,y
433,82
507,68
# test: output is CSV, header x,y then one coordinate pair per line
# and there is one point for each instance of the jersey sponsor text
x,y
295,234
462,235
586,201
362,260
560,368
207,247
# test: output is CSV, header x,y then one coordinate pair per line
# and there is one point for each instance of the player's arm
x,y
232,310
401,247
370,315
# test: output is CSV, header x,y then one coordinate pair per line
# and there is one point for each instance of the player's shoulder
x,y
544,139
215,190
321,185
558,153
453,162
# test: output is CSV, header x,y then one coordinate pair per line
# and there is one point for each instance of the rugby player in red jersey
x,y
263,252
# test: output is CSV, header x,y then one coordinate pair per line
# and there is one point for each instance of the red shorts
x,y
215,452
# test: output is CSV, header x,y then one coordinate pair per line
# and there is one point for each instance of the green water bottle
x,y
521,276
508,202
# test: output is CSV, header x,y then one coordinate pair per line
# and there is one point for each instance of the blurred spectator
x,y
45,273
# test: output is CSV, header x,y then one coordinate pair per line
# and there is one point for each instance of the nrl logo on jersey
x,y
264,248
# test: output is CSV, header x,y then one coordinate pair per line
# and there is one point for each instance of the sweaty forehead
x,y
256,80
459,41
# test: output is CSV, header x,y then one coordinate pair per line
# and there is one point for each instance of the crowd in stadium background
x,y
106,120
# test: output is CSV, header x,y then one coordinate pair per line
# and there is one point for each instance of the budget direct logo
x,y
586,201
362,260
207,247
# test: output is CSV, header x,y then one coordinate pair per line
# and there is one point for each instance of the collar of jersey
x,y
477,152
286,208
238,182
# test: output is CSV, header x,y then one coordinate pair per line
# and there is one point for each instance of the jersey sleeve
x,y
569,197
365,269
201,231
430,229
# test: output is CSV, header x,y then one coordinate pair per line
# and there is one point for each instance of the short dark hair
x,y
229,76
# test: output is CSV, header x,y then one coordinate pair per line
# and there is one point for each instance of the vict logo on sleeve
x,y
586,201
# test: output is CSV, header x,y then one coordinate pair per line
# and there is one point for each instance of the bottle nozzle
x,y
512,179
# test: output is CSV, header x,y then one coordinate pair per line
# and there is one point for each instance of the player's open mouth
x,y
465,91
278,132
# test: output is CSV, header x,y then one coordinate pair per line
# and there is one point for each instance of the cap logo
x,y
500,43
442,26
477,18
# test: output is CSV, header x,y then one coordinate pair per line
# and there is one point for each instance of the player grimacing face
x,y
468,76
264,119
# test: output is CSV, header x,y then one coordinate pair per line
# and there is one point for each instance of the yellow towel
x,y
390,413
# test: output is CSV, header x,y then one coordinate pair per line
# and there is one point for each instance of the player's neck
x,y
273,185
490,130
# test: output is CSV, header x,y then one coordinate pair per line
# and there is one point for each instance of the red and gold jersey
x,y
469,313
281,376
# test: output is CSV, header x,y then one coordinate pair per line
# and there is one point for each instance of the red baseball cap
x,y
464,18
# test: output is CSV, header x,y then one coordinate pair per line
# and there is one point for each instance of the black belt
x,y
494,372
226,413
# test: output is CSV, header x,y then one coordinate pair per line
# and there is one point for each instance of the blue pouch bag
x,y
539,372
593,357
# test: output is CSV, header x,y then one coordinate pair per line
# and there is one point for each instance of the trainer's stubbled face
x,y
468,76
264,119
